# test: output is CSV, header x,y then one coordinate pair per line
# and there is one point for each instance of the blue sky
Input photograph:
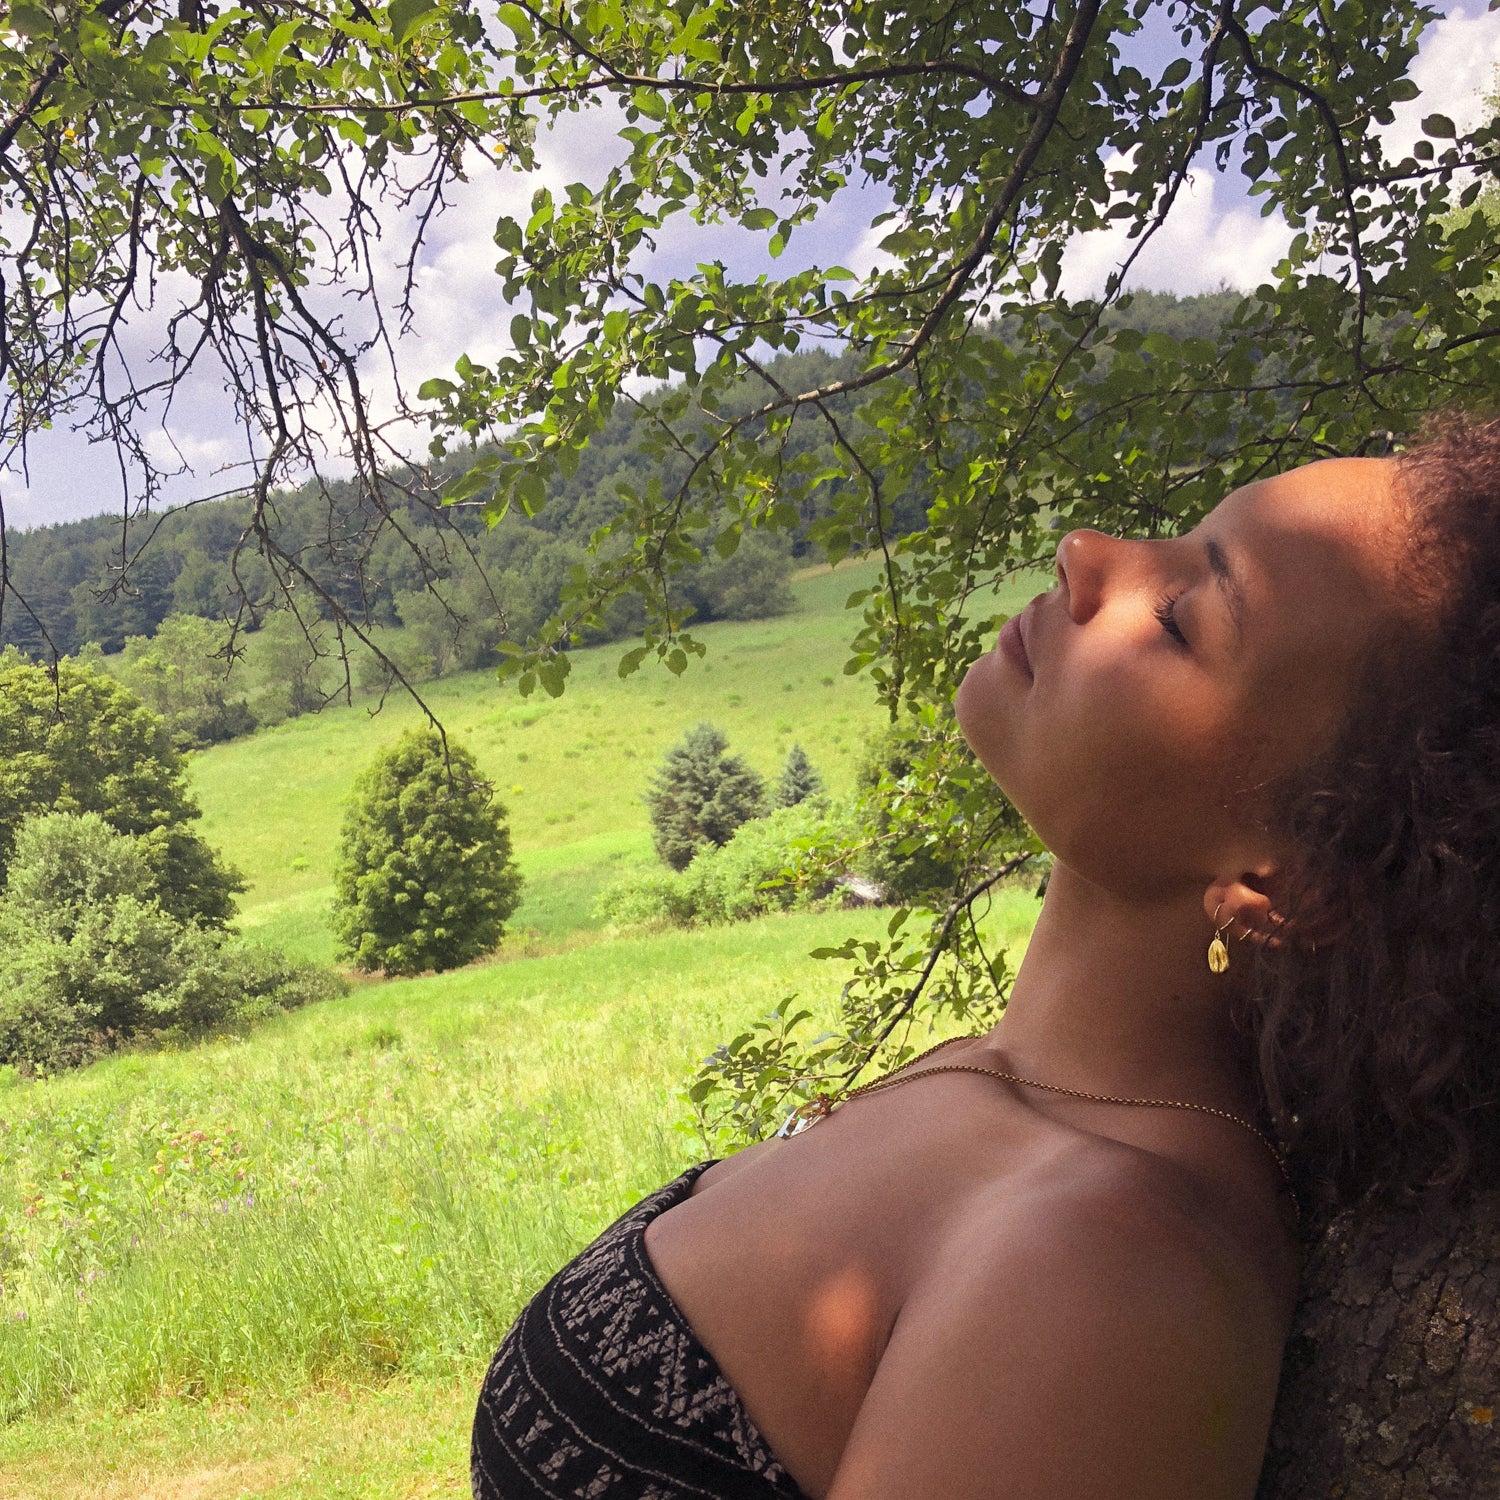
x,y
1215,235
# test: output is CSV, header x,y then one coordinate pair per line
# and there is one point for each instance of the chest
x,y
793,1260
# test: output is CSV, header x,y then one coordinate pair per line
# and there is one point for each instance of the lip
x,y
1013,642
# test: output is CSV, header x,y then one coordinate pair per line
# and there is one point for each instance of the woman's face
x,y
1126,711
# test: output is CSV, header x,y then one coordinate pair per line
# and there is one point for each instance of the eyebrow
x,y
1229,585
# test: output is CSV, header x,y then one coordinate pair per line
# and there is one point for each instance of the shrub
x,y
761,868
295,670
699,796
181,673
425,878
901,858
80,743
787,859
651,898
87,961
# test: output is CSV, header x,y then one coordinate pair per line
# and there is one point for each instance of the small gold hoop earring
x,y
1218,954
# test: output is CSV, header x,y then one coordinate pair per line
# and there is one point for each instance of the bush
x,y
295,668
80,743
901,859
181,673
652,898
87,961
699,796
787,859
425,878
761,868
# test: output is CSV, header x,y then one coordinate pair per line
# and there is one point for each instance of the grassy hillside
x,y
361,1191
277,1265
571,771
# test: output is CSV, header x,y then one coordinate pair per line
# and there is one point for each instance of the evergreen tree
x,y
699,795
425,878
798,780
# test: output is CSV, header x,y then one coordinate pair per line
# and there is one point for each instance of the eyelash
x,y
1166,615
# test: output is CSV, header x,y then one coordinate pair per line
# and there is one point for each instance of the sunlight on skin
x,y
841,1319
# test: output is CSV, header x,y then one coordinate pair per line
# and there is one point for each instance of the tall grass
x,y
370,1186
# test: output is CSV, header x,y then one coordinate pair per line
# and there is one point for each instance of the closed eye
x,y
1166,615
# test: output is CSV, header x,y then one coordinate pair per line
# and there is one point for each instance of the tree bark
x,y
1390,1388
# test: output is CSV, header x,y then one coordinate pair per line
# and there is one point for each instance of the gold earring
x,y
1218,954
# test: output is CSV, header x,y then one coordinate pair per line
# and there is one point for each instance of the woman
x,y
1058,1261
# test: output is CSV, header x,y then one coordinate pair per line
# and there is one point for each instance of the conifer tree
x,y
799,780
425,877
699,795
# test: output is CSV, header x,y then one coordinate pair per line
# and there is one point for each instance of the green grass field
x,y
276,1265
571,771
359,1193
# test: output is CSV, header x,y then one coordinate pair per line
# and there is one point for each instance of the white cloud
x,y
1201,246
1214,235
1455,70
203,453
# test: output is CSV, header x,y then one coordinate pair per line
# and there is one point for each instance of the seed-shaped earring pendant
x,y
1218,955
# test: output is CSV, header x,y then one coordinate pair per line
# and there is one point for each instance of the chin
x,y
980,707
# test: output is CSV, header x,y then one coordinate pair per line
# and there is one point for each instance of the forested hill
x,y
70,575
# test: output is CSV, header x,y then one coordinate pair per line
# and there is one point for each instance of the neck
x,y
1115,996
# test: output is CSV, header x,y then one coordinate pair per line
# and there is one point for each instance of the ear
x,y
1244,907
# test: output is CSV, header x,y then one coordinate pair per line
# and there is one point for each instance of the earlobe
x,y
1240,909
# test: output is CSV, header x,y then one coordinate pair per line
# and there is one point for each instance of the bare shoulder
x,y
1125,1206
1128,1234
1126,1339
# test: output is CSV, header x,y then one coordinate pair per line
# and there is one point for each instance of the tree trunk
x,y
1390,1389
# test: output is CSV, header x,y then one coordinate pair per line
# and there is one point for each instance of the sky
x,y
1214,236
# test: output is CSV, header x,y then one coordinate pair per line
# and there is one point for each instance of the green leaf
x,y
1176,72
649,103
1440,126
552,672
466,486
404,14
435,389
30,20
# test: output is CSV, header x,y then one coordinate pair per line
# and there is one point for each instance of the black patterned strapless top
x,y
601,1390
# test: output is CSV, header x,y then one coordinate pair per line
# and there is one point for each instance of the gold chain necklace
x,y
820,1106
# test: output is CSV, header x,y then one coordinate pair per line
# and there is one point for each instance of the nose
x,y
1084,560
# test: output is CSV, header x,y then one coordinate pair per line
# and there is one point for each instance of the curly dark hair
x,y
1377,1019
